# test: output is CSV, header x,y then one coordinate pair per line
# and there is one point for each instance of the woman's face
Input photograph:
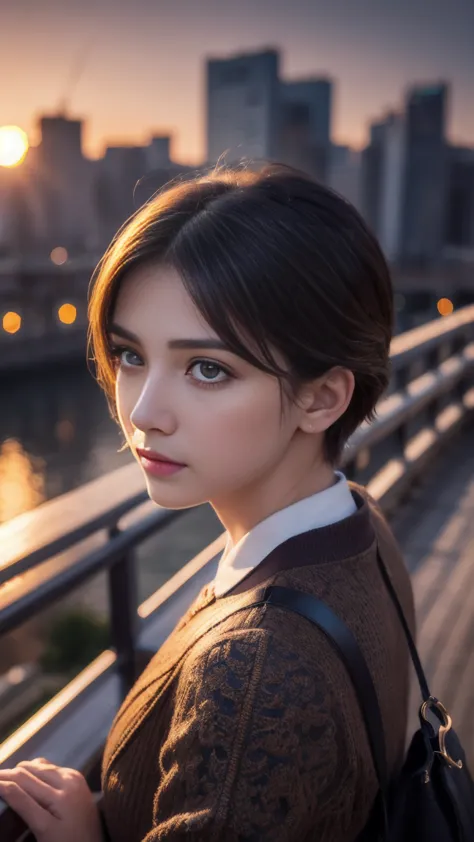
x,y
180,393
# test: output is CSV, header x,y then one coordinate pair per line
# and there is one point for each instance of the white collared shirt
x,y
321,509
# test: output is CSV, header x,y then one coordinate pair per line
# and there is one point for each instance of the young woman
x,y
241,324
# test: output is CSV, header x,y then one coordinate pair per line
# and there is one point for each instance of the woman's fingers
x,y
41,791
44,771
35,816
55,802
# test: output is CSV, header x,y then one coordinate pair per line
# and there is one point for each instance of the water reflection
x,y
21,480
55,435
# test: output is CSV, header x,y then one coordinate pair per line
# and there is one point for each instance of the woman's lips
x,y
157,464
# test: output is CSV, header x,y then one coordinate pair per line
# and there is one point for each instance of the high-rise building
x,y
7,221
243,95
424,188
344,173
296,146
64,187
460,201
305,126
316,96
129,176
372,170
61,142
383,168
118,174
157,152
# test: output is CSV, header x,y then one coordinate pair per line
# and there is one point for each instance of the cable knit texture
x,y
245,726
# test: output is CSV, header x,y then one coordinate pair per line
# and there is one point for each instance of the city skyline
x,y
144,68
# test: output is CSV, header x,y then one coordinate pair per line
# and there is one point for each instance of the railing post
x,y
402,380
433,362
459,343
123,600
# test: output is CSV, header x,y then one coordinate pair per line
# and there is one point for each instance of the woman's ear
x,y
325,399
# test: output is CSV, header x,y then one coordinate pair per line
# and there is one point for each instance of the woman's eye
x,y
205,371
126,357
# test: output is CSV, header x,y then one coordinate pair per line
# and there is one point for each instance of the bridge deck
x,y
436,532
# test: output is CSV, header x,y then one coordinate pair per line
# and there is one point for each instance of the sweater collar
x,y
322,509
331,543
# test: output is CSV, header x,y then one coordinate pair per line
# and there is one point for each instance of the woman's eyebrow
x,y
123,332
205,342
217,344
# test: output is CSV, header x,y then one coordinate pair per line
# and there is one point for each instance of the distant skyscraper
x,y
296,146
424,189
61,141
344,173
383,167
460,200
157,152
64,186
305,126
128,176
243,106
316,95
118,174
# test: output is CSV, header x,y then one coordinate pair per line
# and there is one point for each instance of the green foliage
x,y
75,639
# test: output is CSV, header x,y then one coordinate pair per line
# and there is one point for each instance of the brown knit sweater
x,y
245,726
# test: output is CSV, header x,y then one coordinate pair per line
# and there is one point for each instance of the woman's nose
x,y
150,413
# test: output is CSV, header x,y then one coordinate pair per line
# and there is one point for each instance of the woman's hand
x,y
55,803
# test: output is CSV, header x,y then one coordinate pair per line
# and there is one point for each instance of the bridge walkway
x,y
436,531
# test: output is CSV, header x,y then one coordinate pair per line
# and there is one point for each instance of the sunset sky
x,y
144,60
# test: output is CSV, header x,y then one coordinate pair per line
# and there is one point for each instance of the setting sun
x,y
13,146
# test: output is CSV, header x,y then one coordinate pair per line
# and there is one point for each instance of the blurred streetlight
x,y
59,256
445,306
11,322
67,314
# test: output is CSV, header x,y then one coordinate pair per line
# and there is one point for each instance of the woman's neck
x,y
252,504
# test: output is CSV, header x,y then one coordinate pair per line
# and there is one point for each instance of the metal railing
x,y
430,397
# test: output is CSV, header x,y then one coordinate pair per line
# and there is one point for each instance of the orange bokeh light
x,y
11,322
59,255
445,306
67,314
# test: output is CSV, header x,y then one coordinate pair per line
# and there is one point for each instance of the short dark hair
x,y
276,264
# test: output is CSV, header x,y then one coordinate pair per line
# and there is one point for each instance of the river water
x,y
56,434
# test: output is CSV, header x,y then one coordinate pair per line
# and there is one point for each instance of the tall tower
x,y
243,106
425,182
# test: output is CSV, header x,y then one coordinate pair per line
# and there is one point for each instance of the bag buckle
x,y
445,726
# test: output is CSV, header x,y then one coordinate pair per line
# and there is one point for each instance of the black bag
x,y
433,799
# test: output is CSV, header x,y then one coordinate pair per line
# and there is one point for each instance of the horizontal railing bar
x,y
396,476
61,705
22,607
41,528
69,539
406,405
94,674
414,343
168,589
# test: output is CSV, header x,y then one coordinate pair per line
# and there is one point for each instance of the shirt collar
x,y
322,509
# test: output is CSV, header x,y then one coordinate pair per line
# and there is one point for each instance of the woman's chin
x,y
171,497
